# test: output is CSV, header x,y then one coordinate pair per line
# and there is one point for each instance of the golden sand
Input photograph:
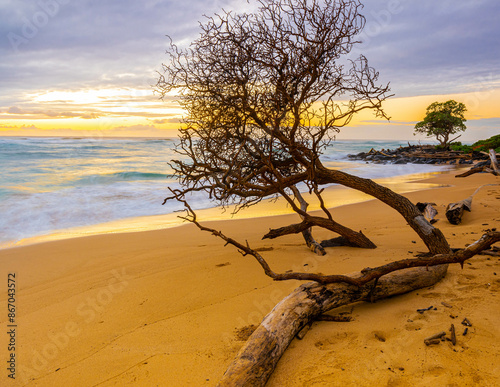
x,y
166,307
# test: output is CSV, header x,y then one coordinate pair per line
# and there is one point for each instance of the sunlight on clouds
x,y
139,112
87,96
94,109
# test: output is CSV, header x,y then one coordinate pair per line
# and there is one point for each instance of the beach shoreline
x,y
55,184
334,196
168,306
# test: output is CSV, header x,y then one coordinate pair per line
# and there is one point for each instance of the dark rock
x,y
420,155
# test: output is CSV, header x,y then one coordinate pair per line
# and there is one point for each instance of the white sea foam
x,y
52,183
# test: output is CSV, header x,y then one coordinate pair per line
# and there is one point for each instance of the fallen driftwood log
x,y
454,211
484,166
347,236
257,359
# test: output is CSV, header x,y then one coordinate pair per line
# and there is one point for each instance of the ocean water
x,y
51,184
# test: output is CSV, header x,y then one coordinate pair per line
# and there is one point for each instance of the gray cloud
x,y
90,43
15,112
422,47
431,47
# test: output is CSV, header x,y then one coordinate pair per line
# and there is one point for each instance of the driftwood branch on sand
x,y
455,211
490,166
259,356
348,237
307,233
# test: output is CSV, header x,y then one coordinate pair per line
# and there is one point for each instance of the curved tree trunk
x,y
257,359
431,236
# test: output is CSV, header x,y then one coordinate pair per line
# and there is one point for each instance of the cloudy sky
x,y
74,67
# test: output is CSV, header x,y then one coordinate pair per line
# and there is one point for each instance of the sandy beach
x,y
171,307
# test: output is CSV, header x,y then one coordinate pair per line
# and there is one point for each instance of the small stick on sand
x,y
453,336
421,311
436,336
466,322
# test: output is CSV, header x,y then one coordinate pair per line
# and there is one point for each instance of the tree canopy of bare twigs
x,y
264,93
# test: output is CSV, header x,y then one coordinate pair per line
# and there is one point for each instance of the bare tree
x,y
264,93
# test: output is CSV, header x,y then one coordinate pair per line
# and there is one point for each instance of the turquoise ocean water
x,y
50,184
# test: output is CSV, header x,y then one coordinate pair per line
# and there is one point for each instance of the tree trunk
x,y
257,359
431,236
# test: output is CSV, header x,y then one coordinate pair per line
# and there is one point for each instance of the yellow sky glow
x,y
480,105
135,112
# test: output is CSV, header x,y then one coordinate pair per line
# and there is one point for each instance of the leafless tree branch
x,y
367,274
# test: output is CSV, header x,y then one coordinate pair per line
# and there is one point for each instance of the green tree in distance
x,y
443,119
